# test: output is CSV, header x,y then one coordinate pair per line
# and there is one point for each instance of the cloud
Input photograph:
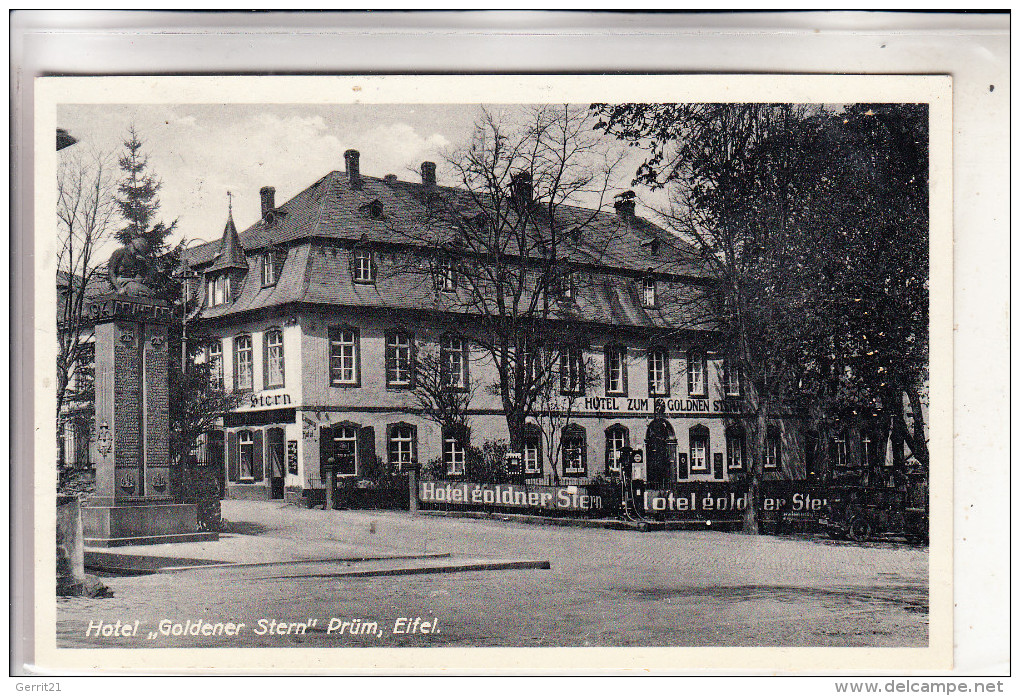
x,y
395,149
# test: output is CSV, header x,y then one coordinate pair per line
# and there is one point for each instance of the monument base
x,y
124,525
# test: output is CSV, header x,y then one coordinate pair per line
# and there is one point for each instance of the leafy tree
x,y
872,281
740,179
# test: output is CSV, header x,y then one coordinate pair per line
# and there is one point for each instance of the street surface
x,y
604,588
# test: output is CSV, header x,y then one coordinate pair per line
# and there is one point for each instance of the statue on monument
x,y
128,268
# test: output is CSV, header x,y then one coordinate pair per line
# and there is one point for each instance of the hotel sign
x,y
659,406
262,399
562,498
726,501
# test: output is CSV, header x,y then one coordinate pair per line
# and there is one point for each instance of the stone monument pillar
x,y
132,503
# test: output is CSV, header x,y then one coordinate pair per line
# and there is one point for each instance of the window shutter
x,y
623,369
412,356
256,458
233,456
366,447
279,258
325,441
390,358
283,362
265,359
650,359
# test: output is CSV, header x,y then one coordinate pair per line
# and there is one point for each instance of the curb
x,y
130,564
423,570
649,526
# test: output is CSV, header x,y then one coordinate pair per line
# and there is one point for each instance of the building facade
x,y
311,314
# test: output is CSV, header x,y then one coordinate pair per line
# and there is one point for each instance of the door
x,y
275,453
660,443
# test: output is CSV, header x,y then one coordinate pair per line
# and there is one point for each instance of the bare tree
x,y
502,245
556,403
442,399
86,216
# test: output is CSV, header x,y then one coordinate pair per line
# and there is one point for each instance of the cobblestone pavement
x,y
604,587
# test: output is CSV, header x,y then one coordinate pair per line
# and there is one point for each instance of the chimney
x,y
428,173
268,194
624,205
521,190
390,179
352,159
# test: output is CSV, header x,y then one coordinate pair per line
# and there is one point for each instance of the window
x,y
772,449
246,449
270,268
699,448
273,373
574,452
399,360
217,290
731,377
535,371
447,274
735,452
344,358
454,450
364,266
532,451
571,371
342,450
402,445
565,284
616,440
242,363
867,458
616,370
648,294
696,385
658,372
839,458
84,369
214,355
454,361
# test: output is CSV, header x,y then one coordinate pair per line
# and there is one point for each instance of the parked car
x,y
860,513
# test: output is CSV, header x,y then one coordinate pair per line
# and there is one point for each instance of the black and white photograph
x,y
606,373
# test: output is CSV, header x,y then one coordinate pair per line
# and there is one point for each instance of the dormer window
x,y
217,290
270,268
648,293
374,209
447,272
364,266
565,284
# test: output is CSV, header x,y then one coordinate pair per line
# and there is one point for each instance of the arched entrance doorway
x,y
660,452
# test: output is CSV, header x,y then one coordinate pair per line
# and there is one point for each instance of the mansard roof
x,y
321,223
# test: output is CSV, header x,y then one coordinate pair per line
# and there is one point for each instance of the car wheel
x,y
860,529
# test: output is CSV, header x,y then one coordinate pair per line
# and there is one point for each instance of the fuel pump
x,y
631,490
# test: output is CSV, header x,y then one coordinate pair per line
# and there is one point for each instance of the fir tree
x,y
139,204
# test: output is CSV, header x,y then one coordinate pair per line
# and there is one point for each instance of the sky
x,y
200,152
